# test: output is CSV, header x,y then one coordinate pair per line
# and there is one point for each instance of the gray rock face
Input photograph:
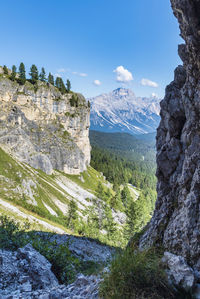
x,y
24,271
37,266
86,249
179,273
27,274
42,129
176,220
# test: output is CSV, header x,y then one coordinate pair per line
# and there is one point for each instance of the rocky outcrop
x,y
24,271
179,273
176,220
27,274
40,126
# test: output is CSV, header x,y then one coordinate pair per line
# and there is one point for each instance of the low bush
x,y
12,233
65,265
136,275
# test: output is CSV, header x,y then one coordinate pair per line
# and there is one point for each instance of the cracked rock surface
x,y
176,220
25,274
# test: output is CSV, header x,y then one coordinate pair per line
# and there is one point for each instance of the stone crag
x,y
41,127
176,220
26,274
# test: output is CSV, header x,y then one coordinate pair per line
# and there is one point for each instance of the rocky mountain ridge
x,y
41,127
121,111
176,221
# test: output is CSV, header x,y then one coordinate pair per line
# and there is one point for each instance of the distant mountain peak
x,y
121,111
123,92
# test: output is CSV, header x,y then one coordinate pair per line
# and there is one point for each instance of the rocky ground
x,y
25,273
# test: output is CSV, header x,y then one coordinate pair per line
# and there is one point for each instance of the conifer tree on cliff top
x,y
5,70
60,85
51,79
13,74
22,74
42,75
34,74
68,84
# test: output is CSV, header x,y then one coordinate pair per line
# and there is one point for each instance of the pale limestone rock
x,y
41,128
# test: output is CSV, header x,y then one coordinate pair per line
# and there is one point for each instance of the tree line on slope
x,y
138,213
20,77
120,170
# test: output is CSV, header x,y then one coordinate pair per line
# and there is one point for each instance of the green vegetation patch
x,y
65,265
136,275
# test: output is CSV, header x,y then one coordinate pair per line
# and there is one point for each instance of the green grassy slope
x,y
46,200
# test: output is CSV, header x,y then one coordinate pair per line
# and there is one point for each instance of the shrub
x,y
74,101
135,274
64,264
12,234
5,69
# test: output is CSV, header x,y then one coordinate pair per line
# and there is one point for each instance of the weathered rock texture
x,y
176,221
27,274
40,127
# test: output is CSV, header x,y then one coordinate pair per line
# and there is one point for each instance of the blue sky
x,y
112,43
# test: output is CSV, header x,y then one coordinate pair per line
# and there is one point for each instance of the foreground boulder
x,y
37,268
24,271
179,273
27,274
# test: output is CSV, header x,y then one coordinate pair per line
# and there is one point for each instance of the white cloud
x,y
83,74
58,75
62,70
147,82
123,75
96,82
154,95
80,74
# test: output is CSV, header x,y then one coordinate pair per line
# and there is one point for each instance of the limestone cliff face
x,y
40,127
176,221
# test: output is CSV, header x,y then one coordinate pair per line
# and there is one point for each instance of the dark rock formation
x,y
176,220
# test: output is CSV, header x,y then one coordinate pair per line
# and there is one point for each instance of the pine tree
x,y
137,216
22,74
34,74
126,196
74,101
62,89
57,82
42,75
51,79
109,223
13,74
5,69
72,219
100,191
60,85
68,84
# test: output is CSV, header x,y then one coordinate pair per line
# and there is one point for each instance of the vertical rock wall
x,y
176,220
42,128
